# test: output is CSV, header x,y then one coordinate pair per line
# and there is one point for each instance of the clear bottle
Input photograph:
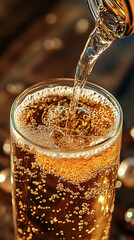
x,y
114,11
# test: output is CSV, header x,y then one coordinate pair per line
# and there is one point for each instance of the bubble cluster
x,y
45,119
47,206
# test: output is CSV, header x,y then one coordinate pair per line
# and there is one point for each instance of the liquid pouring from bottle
x,y
114,19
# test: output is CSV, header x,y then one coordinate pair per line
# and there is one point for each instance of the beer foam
x,y
43,134
77,158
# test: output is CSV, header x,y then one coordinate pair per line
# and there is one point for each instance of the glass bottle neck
x,y
129,10
116,16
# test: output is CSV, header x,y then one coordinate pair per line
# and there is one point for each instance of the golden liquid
x,y
58,197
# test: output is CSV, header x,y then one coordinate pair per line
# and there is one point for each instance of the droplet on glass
x,y
15,88
51,18
82,25
126,172
5,182
6,147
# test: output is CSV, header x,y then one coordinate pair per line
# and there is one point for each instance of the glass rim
x,y
45,149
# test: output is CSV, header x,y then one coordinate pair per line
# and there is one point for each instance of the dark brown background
x,y
24,60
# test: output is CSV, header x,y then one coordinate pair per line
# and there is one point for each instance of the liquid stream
x,y
115,20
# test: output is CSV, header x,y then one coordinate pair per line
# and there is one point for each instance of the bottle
x,y
114,12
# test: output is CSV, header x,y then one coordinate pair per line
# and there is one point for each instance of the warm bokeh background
x,y
44,39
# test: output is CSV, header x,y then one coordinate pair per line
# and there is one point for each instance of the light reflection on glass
x,y
101,199
107,209
102,208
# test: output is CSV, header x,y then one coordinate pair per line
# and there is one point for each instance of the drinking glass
x,y
62,193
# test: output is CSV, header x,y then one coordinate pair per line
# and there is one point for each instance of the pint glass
x,y
64,171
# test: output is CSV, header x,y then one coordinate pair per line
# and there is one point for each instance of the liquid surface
x,y
44,118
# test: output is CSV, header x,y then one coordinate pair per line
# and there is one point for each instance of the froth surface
x,y
43,118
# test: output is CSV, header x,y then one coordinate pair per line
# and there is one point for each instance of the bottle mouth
x,y
95,8
129,10
112,15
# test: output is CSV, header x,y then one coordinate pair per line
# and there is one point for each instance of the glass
x,y
62,193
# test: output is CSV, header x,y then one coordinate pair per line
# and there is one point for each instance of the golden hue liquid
x,y
58,197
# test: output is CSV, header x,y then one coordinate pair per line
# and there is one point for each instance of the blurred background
x,y
44,39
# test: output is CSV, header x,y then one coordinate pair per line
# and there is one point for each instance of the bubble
x,y
44,118
57,136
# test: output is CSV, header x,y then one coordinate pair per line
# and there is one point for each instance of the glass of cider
x,y
64,163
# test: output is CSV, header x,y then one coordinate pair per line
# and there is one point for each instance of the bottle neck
x,y
116,16
129,11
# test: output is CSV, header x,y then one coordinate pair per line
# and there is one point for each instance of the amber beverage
x,y
64,165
